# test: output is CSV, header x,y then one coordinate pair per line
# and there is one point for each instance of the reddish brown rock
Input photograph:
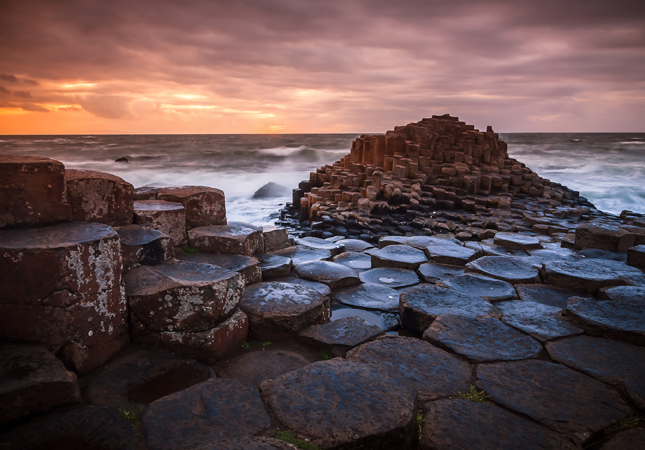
x,y
99,197
604,236
247,266
232,239
275,238
78,305
32,192
204,205
340,336
142,246
33,380
167,217
636,256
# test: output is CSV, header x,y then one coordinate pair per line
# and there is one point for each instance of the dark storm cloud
x,y
22,94
4,90
518,63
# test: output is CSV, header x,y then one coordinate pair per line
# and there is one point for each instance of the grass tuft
x,y
291,438
475,395
266,343
191,250
134,417
419,422
324,355
245,345
628,423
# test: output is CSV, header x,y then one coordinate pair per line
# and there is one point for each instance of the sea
x,y
606,168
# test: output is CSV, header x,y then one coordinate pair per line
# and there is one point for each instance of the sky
x,y
319,66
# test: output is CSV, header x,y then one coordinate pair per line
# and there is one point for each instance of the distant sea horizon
x,y
607,168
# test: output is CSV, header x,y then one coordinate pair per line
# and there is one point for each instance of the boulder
x,y
32,192
431,372
340,336
420,306
481,339
334,405
78,305
247,266
280,310
392,278
369,296
464,424
613,362
232,239
167,217
332,274
33,380
480,286
99,197
204,413
433,272
204,206
142,246
554,395
398,257
272,190
540,321
510,269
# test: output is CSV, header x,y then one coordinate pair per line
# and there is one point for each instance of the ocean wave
x,y
634,142
283,151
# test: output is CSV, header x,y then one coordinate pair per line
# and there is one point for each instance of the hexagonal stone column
x,y
554,395
450,253
636,256
517,241
99,197
167,217
77,306
204,413
507,268
33,380
480,286
232,239
279,310
340,336
398,257
369,296
334,404
203,205
247,266
143,246
588,276
32,192
321,244
540,321
332,274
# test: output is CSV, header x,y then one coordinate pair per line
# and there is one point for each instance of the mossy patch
x,y
290,437
475,395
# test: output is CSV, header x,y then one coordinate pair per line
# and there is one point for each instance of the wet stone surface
x,y
301,255
332,274
481,339
340,336
587,276
279,310
613,362
622,321
463,424
450,253
420,306
385,321
517,241
167,217
321,244
246,266
354,245
357,261
623,294
554,395
392,240
512,270
393,278
320,287
433,272
206,412
398,257
274,266
480,286
431,372
339,403
232,239
369,296
542,322
143,246
545,294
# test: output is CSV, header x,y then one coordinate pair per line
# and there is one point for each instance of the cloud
x,y
4,90
22,94
8,78
106,106
32,107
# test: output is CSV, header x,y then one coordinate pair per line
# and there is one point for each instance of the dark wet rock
x,y
494,250
463,424
182,296
340,336
354,245
433,373
449,253
433,272
142,246
392,240
354,260
247,266
280,310
256,366
545,294
167,217
594,253
232,239
385,321
199,415
605,236
275,238
33,380
332,274
480,286
138,377
398,257
320,287
248,443
540,321
204,205
393,278
369,296
552,253
321,244
622,321
87,427
301,255
554,395
636,256
67,276
421,242
420,306
587,276
122,159
339,404
271,190
510,269
627,440
623,294
481,339
613,362
274,266
517,241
